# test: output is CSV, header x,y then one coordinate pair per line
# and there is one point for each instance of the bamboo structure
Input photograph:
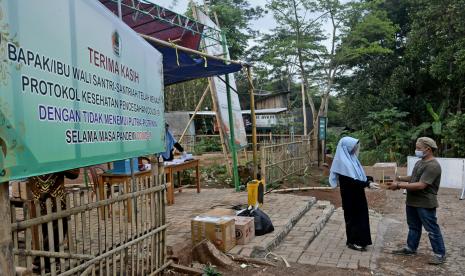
x,y
197,108
254,122
280,161
81,241
6,260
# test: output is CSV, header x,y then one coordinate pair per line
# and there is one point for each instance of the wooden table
x,y
178,168
117,178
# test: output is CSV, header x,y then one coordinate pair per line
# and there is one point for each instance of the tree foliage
x,y
234,17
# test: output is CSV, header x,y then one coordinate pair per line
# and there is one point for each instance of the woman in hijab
x,y
347,171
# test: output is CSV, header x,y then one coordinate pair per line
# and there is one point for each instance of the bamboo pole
x,y
27,252
220,129
301,189
191,51
6,241
195,112
254,123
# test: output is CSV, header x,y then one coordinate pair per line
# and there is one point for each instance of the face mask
x,y
419,154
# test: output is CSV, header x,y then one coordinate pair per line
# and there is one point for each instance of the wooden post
x,y
6,241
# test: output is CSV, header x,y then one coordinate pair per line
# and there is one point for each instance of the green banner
x,y
77,87
322,128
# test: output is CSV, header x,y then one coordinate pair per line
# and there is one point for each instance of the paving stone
x,y
284,210
352,265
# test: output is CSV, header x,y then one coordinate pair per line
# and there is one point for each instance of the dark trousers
x,y
426,217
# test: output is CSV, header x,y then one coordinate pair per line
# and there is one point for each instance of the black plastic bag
x,y
262,221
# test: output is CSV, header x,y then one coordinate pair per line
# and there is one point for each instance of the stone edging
x,y
261,251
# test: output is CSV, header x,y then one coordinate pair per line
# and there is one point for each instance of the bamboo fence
x,y
279,161
93,235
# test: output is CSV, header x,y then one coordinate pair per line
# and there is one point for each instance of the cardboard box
x,y
219,230
219,212
384,172
245,229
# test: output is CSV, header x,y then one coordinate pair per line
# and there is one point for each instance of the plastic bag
x,y
263,224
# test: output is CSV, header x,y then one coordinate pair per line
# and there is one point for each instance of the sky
x,y
264,24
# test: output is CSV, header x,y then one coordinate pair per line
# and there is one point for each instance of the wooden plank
x,y
60,235
162,249
144,227
121,219
113,230
71,236
120,229
41,238
138,228
14,234
76,224
133,226
107,265
35,238
100,215
50,236
90,216
156,200
83,223
6,241
152,224
28,233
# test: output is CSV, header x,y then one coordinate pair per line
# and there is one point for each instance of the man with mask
x,y
422,189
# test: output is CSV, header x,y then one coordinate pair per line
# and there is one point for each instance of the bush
x,y
207,144
454,138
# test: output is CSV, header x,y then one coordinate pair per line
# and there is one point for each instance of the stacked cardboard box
x,y
219,230
245,229
223,228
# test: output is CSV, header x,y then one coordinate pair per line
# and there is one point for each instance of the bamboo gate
x,y
96,236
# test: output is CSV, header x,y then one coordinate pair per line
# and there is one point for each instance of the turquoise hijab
x,y
346,162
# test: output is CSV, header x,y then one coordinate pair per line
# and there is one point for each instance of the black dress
x,y
355,208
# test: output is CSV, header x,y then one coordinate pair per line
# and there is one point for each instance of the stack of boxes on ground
x,y
382,172
223,228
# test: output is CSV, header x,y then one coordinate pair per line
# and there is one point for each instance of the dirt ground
x,y
376,198
296,269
